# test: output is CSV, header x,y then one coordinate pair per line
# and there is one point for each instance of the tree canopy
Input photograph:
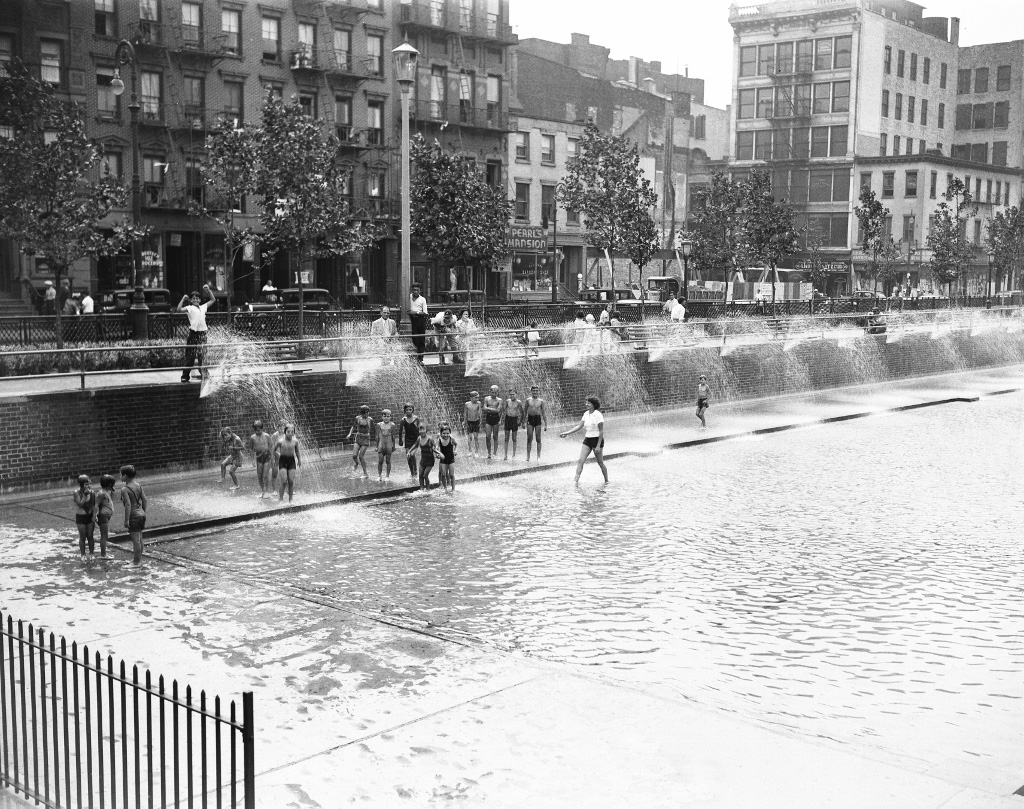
x,y
1005,239
947,238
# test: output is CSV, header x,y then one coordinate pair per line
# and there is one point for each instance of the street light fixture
x,y
559,189
125,55
405,56
686,248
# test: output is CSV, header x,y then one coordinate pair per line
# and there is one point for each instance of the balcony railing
x,y
152,112
150,33
463,115
371,207
431,14
195,40
305,58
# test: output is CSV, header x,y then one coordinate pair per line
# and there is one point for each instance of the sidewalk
x,y
350,708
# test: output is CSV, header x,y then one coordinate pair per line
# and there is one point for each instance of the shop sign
x,y
527,238
304,277
807,265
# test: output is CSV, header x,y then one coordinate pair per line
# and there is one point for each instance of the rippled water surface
x,y
860,581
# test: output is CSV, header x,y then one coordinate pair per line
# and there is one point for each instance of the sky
x,y
697,34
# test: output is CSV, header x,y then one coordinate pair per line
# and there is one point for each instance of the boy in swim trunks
x,y
85,514
703,400
513,413
471,412
535,417
105,510
259,443
386,431
233,444
135,505
362,428
492,418
274,439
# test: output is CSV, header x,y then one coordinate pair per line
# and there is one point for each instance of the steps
x,y
281,352
13,306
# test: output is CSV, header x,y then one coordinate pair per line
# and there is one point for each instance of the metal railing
x,y
80,731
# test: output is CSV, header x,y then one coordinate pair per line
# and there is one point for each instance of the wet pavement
x,y
820,617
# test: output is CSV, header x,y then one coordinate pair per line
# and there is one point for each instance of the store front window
x,y
531,272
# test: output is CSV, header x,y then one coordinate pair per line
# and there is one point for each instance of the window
x,y
782,148
821,186
763,144
865,181
999,153
823,54
924,112
901,59
271,33
798,186
988,191
982,116
343,117
151,96
963,82
819,141
153,170
922,146
784,58
231,26
827,185
744,145
700,126
896,143
963,116
275,89
883,144
522,145
942,116
910,185
822,98
106,19
981,80
191,24
747,109
999,191
979,154
1003,78
6,52
547,203
107,104
307,39
765,60
765,102
113,165
911,111
1001,115
898,114
888,59
844,49
933,185
493,174
827,230
493,100
438,85
50,55
373,4
926,70
801,143
888,184
375,52
977,231
841,96
802,99
804,56
572,148
343,49
942,76
375,123
523,202
910,146
467,81
234,102
547,149
913,67
748,61
193,95
885,103
1006,192
308,103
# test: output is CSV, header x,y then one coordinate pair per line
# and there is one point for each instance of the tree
x,y
818,273
1005,240
768,225
303,191
604,183
230,170
872,215
53,200
715,226
947,237
456,217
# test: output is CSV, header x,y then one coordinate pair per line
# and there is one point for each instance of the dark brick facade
x,y
49,438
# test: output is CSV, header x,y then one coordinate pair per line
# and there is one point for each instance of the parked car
x,y
868,293
313,300
618,295
120,300
268,301
659,287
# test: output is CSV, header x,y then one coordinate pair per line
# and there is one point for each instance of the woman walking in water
x,y
363,429
288,460
386,430
593,437
409,435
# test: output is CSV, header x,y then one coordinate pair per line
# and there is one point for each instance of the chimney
x,y
954,30
650,85
633,72
580,40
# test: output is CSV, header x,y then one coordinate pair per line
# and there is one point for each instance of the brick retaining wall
x,y
54,437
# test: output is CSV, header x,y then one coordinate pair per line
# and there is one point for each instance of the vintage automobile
x,y
617,295
659,287
120,300
313,300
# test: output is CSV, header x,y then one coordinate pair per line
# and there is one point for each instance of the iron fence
x,y
79,731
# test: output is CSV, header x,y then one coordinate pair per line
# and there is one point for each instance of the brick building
x,y
855,93
203,60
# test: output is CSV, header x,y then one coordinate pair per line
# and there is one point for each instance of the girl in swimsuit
x,y
425,445
363,429
135,505
288,460
410,424
85,506
445,452
386,430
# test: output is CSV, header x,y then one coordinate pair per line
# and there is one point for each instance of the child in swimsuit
x,y
85,508
104,510
425,445
288,460
135,505
386,430
234,445
274,439
471,422
363,429
410,433
444,449
261,447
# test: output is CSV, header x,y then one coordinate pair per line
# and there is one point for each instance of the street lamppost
x,y
125,55
405,56
988,287
686,248
559,188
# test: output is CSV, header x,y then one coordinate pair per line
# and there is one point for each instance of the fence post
x,y
81,367
248,753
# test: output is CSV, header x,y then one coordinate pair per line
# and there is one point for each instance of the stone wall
x,y
54,437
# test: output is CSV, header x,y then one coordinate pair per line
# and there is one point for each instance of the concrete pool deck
x,y
353,708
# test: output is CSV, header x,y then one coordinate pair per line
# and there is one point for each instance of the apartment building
x,y
833,97
200,61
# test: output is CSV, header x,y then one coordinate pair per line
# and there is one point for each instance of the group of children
x,y
279,451
94,508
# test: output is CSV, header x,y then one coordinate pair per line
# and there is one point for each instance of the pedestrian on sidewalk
x,y
85,514
135,505
418,321
703,400
233,444
105,510
195,345
592,424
